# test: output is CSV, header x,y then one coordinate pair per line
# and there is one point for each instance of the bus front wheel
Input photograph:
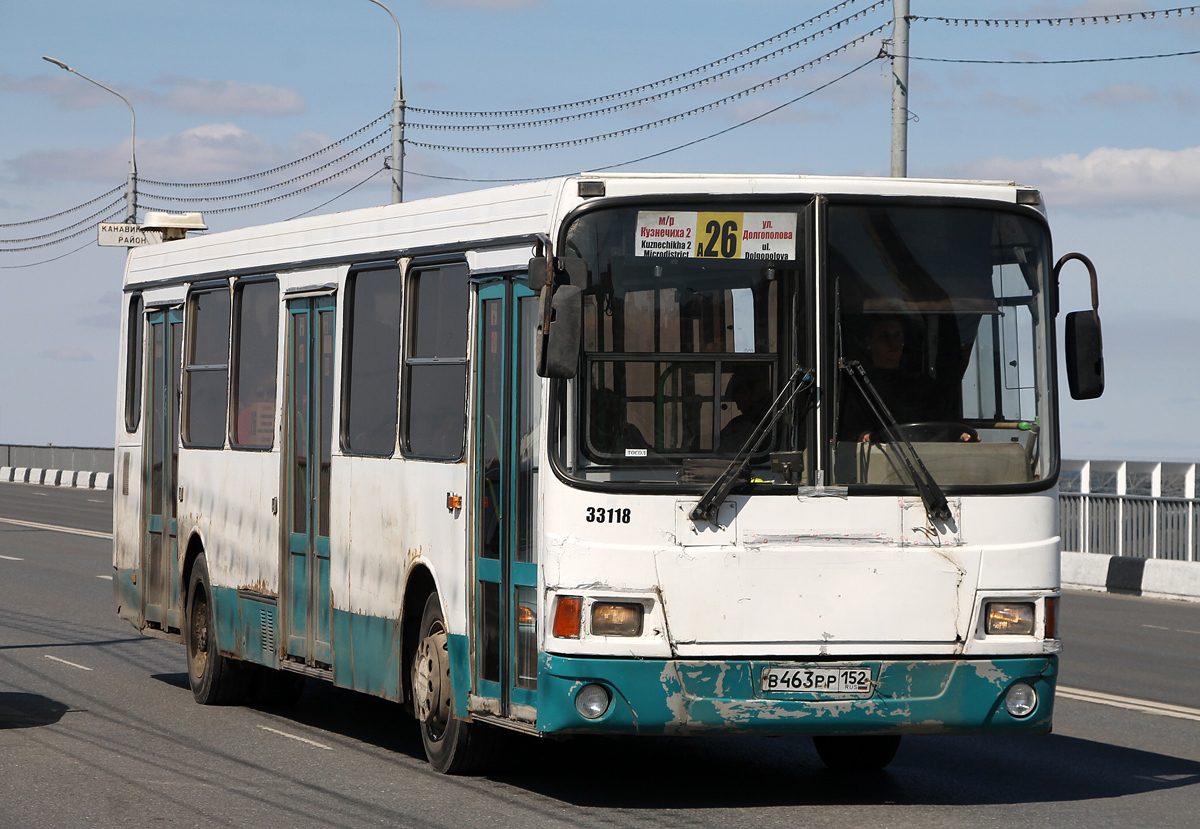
x,y
452,745
215,679
868,753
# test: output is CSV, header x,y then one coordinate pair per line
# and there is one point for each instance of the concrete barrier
x,y
83,480
20,474
102,480
6,473
1152,577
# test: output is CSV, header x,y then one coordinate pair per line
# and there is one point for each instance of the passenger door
x,y
307,456
160,563
505,449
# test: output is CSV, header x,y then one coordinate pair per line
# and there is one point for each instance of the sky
x,y
225,90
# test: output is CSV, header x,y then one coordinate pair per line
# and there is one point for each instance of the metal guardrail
x,y
1137,526
76,458
1129,508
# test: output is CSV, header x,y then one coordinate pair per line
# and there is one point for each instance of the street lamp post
x,y
397,164
131,184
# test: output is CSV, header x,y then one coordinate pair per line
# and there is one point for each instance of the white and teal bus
x,y
611,454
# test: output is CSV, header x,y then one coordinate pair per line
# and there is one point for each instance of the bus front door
x,y
161,606
504,497
308,451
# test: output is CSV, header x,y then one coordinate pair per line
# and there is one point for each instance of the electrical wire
x,y
64,212
86,244
660,95
343,193
1053,62
112,215
518,113
273,170
276,186
576,142
102,211
1122,17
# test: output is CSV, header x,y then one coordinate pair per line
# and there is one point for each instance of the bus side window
x,y
206,377
372,370
436,362
255,362
134,348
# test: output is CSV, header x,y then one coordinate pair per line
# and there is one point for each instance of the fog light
x,y
1020,700
1009,618
592,701
611,619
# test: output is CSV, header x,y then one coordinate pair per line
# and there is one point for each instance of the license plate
x,y
834,681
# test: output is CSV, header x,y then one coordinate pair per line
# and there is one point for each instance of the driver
x,y
911,396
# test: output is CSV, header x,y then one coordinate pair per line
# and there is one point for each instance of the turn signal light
x,y
1052,617
568,614
1010,618
613,619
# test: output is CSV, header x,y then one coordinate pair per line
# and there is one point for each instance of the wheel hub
x,y
431,682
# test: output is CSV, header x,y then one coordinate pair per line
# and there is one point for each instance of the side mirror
x,y
1085,355
544,271
556,349
1085,350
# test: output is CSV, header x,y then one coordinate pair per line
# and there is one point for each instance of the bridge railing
x,y
1126,508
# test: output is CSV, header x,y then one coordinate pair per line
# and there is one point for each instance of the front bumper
x,y
677,697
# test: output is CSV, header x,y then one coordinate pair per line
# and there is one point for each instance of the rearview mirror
x,y
556,349
1085,355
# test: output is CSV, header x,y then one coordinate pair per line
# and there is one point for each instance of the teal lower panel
x,y
127,597
460,673
366,653
953,696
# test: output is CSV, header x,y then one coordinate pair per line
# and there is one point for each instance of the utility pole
x,y
397,161
900,89
131,179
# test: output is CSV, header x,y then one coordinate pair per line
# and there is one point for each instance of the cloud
x,y
194,95
205,153
228,97
1106,178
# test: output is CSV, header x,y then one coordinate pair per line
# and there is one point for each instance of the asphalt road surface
x,y
98,729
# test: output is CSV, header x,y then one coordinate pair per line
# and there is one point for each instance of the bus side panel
x,y
127,488
389,515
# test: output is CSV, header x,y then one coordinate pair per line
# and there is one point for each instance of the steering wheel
x,y
938,431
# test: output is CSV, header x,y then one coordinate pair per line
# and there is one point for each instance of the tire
x,y
453,746
215,679
270,688
857,754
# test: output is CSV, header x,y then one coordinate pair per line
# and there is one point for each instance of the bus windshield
x,y
691,322
696,315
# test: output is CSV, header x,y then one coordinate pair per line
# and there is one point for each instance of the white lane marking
x,y
1155,627
55,528
11,558
1145,706
294,737
107,578
1174,630
95,501
72,664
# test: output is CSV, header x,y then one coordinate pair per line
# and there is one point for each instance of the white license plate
x,y
839,680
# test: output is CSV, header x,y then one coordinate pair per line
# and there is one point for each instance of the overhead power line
x,y
66,212
1052,62
520,113
1083,20
102,211
657,96
577,142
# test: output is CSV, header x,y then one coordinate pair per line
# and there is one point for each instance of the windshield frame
x,y
818,340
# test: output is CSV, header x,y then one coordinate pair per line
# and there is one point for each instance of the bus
x,y
611,454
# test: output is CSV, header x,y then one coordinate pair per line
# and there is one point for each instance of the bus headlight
x,y
592,701
1020,700
1009,618
616,619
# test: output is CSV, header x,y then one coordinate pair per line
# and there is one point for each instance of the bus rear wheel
x,y
214,679
452,745
867,753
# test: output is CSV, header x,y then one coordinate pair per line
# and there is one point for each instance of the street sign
x,y
126,235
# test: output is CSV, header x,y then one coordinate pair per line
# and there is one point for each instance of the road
x,y
98,728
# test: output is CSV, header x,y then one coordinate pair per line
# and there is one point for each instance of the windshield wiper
x,y
931,494
710,505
